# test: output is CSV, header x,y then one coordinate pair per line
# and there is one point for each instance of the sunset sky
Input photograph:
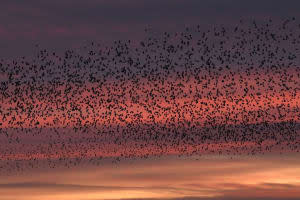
x,y
71,128
209,177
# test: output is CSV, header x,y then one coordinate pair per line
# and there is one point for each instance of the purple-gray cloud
x,y
61,24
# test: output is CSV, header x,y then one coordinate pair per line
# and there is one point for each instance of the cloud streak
x,y
232,191
263,177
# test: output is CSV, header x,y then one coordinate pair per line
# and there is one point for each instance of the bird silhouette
x,y
223,91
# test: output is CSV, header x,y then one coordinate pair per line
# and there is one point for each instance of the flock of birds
x,y
226,90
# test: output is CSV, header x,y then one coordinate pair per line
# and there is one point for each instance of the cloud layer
x,y
267,177
64,24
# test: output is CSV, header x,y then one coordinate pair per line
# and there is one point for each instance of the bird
x,y
223,91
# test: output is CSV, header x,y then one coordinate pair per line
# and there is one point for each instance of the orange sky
x,y
207,177
183,109
240,177
58,113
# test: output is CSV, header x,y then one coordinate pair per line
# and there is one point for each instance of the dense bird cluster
x,y
226,90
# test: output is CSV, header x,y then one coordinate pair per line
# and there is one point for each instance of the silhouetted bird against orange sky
x,y
223,90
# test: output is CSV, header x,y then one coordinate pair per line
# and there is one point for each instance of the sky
x,y
71,128
60,25
198,178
